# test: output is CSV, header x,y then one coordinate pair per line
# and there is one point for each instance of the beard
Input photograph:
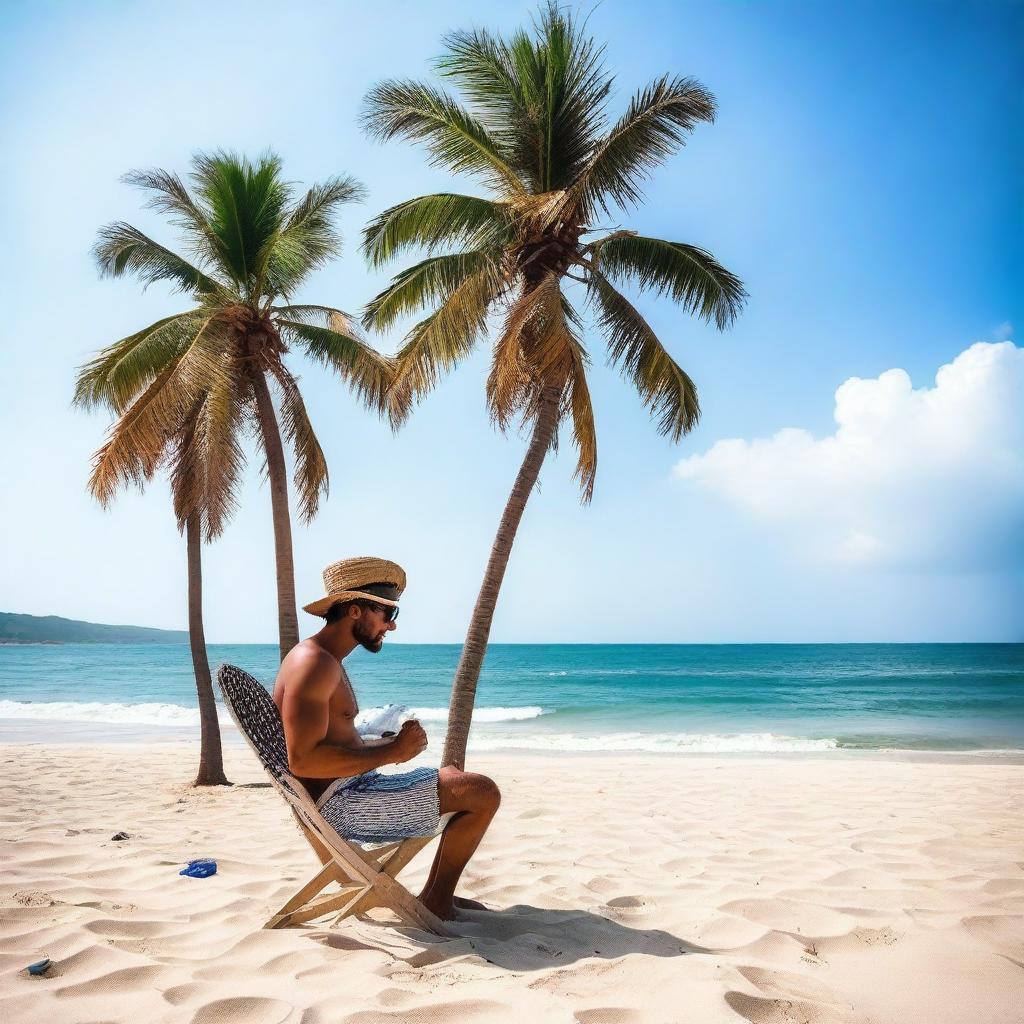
x,y
371,641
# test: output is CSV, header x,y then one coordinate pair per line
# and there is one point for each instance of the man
x,y
318,708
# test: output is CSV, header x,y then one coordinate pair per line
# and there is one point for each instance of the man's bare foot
x,y
450,911
445,911
467,904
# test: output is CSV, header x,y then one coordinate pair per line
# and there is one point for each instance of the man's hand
x,y
410,742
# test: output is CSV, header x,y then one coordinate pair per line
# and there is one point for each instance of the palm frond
x,y
245,205
122,249
309,313
207,459
540,94
552,355
512,383
338,346
538,348
553,344
572,86
170,196
454,138
429,221
135,444
691,276
584,433
307,238
311,479
138,442
480,65
662,384
654,126
117,375
186,480
431,281
440,341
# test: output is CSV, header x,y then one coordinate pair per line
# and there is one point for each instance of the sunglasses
x,y
389,612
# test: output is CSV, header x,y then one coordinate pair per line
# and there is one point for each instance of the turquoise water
x,y
672,699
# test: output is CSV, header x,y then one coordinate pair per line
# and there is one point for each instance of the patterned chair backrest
x,y
256,716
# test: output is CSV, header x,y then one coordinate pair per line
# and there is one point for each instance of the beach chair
x,y
364,872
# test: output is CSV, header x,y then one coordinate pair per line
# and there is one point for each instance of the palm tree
x,y
250,244
531,127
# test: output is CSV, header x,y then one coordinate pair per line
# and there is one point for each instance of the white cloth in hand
x,y
372,723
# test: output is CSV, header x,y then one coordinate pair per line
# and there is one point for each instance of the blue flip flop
x,y
202,868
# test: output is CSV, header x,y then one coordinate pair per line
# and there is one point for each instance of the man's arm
x,y
305,713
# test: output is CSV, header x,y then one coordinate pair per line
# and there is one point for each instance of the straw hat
x,y
372,579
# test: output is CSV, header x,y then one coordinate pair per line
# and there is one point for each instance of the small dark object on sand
x,y
120,837
40,966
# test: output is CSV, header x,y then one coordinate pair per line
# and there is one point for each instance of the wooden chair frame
x,y
366,873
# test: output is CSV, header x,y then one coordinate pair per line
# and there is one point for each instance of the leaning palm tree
x,y
531,127
250,243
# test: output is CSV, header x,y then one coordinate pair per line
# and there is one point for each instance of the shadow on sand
x,y
518,938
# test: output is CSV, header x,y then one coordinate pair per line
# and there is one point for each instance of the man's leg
x,y
474,799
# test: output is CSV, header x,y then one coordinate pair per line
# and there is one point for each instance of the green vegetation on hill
x,y
36,629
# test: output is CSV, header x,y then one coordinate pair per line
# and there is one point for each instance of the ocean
x,y
663,699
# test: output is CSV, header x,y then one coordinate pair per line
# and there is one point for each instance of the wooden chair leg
x,y
364,899
319,907
396,859
324,877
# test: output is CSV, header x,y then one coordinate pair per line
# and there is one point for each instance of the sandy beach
x,y
626,889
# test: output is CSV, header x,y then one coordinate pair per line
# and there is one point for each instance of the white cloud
x,y
929,477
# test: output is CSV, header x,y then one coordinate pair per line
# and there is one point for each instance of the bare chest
x,y
342,711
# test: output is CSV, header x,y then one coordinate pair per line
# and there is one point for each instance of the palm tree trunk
x,y
287,617
211,760
460,711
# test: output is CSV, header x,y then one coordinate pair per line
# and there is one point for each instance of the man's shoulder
x,y
309,664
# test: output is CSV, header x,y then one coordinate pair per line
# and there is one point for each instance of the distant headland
x,y
52,629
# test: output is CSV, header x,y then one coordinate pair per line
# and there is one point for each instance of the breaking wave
x,y
176,715
107,714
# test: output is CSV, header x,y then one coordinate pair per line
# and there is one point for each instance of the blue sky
x,y
863,179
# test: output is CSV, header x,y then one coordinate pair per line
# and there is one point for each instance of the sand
x,y
626,889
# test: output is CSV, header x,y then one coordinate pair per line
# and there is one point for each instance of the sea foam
x,y
176,715
482,714
657,743
108,714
